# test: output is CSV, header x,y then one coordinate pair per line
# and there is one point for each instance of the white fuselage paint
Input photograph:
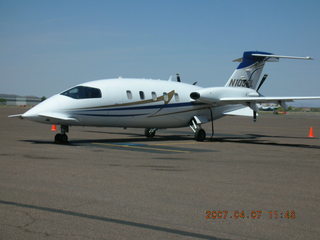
x,y
171,105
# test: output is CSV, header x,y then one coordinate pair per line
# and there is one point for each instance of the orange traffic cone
x,y
53,128
311,133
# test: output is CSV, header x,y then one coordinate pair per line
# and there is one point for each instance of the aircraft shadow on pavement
x,y
117,140
142,139
114,133
277,136
243,139
111,220
254,139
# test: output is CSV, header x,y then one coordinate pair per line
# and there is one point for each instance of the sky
x,y
49,46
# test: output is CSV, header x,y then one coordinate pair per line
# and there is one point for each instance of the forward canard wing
x,y
58,118
50,117
16,116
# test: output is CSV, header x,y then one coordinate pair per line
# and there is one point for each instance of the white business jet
x,y
157,104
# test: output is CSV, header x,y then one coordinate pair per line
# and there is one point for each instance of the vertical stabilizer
x,y
247,74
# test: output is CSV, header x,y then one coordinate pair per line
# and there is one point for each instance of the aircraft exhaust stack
x,y
195,95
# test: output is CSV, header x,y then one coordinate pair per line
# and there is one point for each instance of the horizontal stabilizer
x,y
272,57
280,56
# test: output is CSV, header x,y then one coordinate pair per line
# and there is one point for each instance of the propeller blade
x,y
254,116
178,78
262,81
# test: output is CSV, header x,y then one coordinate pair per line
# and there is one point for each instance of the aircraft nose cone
x,y
54,104
29,114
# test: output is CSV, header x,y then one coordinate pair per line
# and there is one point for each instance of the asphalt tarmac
x,y
252,181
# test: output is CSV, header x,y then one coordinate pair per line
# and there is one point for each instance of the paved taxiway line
x,y
173,143
141,147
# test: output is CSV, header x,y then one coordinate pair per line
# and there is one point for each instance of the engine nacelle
x,y
213,95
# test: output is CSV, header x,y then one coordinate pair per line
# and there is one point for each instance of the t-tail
x,y
247,74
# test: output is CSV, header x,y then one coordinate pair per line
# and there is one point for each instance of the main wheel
x,y
57,138
61,138
150,132
200,135
64,138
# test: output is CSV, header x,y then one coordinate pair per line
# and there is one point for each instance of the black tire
x,y
200,135
149,133
61,138
57,138
64,138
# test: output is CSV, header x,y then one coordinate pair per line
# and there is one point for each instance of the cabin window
x,y
176,97
154,96
82,92
129,94
165,97
141,93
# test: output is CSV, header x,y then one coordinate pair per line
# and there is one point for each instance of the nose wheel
x,y
62,138
150,132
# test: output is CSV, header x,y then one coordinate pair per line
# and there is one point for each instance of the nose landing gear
x,y
150,132
62,138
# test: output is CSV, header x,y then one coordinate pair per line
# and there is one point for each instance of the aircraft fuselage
x,y
139,103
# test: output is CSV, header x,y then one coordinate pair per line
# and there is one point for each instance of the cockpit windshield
x,y
81,92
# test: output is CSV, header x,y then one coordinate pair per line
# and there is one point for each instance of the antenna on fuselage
x,y
178,78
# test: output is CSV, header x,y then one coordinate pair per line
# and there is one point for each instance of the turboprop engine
x,y
216,94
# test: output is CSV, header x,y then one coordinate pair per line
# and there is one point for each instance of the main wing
x,y
249,98
246,96
246,100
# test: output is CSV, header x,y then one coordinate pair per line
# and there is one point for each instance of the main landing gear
x,y
150,132
199,133
62,138
195,125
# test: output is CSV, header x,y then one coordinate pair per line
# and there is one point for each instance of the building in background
x,y
15,100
